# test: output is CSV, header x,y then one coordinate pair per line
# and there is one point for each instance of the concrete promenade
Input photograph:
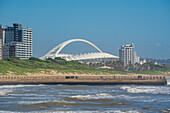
x,y
85,79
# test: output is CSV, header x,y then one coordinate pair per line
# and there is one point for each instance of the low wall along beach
x,y
85,80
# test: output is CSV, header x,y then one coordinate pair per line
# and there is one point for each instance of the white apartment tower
x,y
2,37
128,55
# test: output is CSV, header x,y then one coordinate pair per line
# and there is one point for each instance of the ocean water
x,y
85,99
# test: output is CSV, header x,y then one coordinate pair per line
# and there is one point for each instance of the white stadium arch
x,y
55,52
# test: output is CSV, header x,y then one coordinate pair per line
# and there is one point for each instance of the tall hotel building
x,y
17,42
128,55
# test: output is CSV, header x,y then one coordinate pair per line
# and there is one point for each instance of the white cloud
x,y
158,44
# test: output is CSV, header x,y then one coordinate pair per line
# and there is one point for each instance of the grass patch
x,y
16,66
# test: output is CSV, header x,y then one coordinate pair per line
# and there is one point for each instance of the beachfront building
x,y
2,37
2,34
128,54
17,42
0,49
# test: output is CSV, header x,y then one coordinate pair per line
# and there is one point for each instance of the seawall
x,y
85,80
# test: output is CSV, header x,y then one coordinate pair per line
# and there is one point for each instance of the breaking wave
x,y
168,82
105,97
165,110
100,111
16,86
5,89
147,89
61,111
97,96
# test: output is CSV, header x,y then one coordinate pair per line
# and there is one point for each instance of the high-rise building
x,y
18,42
2,34
5,51
2,37
128,55
0,49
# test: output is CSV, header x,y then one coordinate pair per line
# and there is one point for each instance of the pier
x,y
85,80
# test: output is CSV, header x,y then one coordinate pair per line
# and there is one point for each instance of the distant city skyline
x,y
107,23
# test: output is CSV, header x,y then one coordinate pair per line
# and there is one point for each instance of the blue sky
x,y
107,23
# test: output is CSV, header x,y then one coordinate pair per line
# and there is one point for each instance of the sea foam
x,y
99,111
5,89
147,89
97,96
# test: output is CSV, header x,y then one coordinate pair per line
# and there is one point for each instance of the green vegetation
x,y
150,68
15,66
147,72
155,67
